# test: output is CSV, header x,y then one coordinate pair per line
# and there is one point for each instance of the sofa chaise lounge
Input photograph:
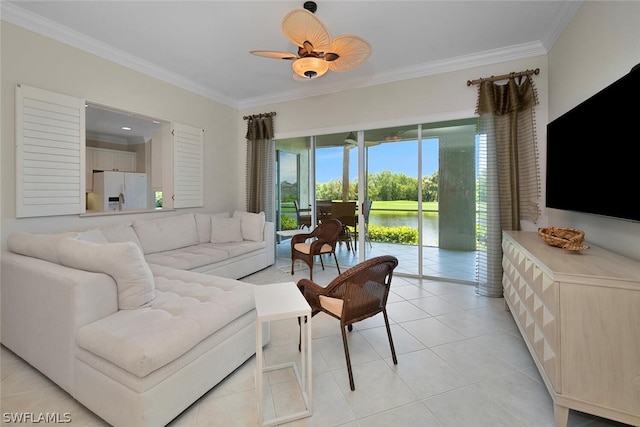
x,y
123,317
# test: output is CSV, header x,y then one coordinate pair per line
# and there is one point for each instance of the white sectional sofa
x,y
221,244
124,319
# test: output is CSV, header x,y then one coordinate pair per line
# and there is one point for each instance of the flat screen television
x,y
593,153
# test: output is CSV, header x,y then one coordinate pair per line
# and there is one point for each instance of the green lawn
x,y
395,205
403,205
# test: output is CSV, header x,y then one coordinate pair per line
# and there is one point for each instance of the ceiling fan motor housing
x,y
311,6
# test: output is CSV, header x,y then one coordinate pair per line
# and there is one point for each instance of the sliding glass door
x,y
391,171
415,188
293,172
449,156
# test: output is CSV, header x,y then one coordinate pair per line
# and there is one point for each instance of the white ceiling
x,y
203,46
108,125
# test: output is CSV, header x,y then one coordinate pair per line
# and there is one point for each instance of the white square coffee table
x,y
276,302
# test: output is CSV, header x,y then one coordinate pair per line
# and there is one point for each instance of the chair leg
x,y
306,319
393,349
336,258
346,355
355,238
300,332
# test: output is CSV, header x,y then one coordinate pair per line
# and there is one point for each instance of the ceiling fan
x,y
317,51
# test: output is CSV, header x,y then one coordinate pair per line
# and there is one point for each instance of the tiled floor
x,y
461,363
459,266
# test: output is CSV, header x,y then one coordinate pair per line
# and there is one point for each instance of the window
x,y
54,173
422,181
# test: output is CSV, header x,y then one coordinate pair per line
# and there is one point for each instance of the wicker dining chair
x,y
303,216
357,294
321,241
345,212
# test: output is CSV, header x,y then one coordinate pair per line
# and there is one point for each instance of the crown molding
x,y
495,56
18,16
561,20
47,28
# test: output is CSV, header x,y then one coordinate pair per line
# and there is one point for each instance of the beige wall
x,y
600,45
33,60
421,100
428,99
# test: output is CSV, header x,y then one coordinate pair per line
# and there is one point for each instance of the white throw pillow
x,y
42,246
122,261
226,230
166,234
120,232
94,236
203,223
252,225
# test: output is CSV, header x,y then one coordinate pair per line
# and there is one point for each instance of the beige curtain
x,y
510,162
260,165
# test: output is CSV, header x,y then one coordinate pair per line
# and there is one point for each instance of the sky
x,y
397,157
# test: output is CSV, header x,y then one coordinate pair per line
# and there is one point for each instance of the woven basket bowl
x,y
570,239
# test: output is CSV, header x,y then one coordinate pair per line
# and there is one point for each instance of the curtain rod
x,y
257,116
504,76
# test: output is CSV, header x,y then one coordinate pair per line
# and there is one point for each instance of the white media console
x,y
579,314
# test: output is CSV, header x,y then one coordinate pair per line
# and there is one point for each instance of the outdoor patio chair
x,y
303,216
321,241
323,210
357,294
345,212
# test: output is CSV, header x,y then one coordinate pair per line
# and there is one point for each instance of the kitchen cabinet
x,y
102,159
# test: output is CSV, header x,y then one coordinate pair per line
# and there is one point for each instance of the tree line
x,y
383,186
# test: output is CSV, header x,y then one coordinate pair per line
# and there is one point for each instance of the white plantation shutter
x,y
50,153
188,168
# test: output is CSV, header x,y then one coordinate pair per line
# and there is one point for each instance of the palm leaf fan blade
x,y
301,26
351,51
274,54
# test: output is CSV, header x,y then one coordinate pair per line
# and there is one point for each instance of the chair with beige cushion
x,y
357,294
321,241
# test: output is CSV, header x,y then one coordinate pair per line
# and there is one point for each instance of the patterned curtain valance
x,y
505,99
259,126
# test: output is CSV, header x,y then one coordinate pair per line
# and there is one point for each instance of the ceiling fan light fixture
x,y
309,68
317,51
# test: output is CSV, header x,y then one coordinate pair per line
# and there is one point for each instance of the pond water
x,y
408,219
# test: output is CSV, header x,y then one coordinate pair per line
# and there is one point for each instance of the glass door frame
x,y
363,190
362,152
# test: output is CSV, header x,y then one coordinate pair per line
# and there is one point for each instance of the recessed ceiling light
x,y
125,128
